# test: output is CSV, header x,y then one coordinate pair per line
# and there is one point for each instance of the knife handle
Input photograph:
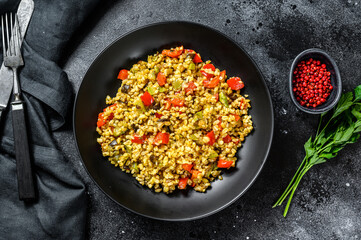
x,y
26,185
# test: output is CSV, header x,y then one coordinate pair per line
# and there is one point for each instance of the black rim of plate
x,y
268,96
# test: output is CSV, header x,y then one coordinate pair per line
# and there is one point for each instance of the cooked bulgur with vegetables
x,y
175,122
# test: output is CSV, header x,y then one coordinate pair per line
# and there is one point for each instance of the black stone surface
x,y
328,202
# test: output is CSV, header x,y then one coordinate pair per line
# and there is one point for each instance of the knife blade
x,y
25,11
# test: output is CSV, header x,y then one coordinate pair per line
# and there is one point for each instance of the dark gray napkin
x,y
60,211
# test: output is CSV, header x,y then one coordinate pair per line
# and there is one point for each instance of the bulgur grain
x,y
153,142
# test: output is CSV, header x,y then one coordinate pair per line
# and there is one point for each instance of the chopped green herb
x,y
156,70
199,115
135,167
152,75
194,137
213,154
140,106
192,66
151,90
177,84
223,99
162,89
128,148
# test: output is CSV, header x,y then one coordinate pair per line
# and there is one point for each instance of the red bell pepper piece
x,y
208,66
194,174
111,106
183,183
161,138
147,99
168,104
212,138
220,123
236,117
227,139
242,104
187,167
123,74
177,102
111,116
158,115
216,96
224,163
214,81
162,79
101,120
190,88
235,83
197,59
173,53
138,139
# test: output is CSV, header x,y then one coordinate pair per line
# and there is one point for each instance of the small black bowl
x,y
318,54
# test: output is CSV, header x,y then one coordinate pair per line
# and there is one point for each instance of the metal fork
x,y
13,59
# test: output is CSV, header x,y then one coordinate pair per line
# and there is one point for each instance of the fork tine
x,y
12,34
16,36
12,46
7,30
3,35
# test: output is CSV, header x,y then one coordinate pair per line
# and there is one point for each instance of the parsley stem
x,y
328,145
324,128
319,125
294,189
288,189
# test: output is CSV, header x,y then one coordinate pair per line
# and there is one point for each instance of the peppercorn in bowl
x,y
314,82
175,122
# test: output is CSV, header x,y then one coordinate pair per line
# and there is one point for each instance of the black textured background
x,y
328,203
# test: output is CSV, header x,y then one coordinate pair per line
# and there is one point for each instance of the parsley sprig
x,y
343,127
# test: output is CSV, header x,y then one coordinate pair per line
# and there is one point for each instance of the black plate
x,y
100,81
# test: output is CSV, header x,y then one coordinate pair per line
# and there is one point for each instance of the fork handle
x,y
26,185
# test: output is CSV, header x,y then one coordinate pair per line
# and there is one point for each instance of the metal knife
x,y
25,11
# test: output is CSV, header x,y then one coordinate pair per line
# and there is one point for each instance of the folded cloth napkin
x,y
60,211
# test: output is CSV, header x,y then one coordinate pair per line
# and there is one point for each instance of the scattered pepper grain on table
x,y
175,121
